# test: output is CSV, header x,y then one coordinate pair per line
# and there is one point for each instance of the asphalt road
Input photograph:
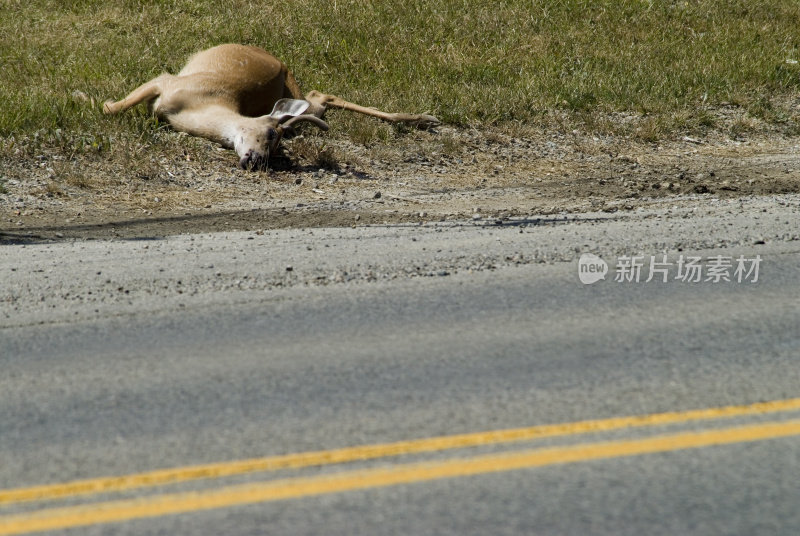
x,y
370,348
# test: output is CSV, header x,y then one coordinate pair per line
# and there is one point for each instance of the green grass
x,y
467,62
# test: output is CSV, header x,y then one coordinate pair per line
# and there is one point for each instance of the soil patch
x,y
449,173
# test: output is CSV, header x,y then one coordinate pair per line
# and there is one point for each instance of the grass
x,y
476,63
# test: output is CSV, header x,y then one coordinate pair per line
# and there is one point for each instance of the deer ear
x,y
285,108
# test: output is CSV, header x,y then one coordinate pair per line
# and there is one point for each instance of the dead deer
x,y
243,98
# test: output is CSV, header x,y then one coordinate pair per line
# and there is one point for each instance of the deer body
x,y
241,97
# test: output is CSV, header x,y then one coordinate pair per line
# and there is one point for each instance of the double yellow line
x,y
158,505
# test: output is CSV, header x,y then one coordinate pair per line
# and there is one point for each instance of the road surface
x,y
435,379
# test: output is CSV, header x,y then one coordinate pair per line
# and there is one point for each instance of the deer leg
x,y
146,92
320,102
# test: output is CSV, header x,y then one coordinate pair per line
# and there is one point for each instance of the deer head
x,y
256,141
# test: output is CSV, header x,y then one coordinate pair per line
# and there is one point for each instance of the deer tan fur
x,y
243,98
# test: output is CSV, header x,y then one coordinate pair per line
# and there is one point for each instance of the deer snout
x,y
254,161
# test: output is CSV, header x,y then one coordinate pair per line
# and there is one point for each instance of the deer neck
x,y
217,123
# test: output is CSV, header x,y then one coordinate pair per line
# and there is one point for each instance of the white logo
x,y
591,268
715,269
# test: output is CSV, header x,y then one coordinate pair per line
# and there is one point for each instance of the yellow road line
x,y
160,505
366,452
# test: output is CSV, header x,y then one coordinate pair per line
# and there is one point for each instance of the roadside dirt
x,y
449,173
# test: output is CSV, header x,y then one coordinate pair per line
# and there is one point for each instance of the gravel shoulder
x,y
69,280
